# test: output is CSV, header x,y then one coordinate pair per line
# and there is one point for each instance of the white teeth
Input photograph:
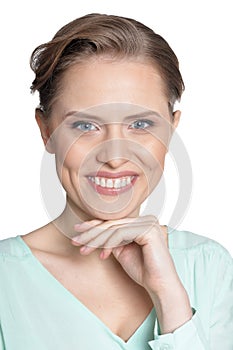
x,y
111,183
117,183
96,180
102,182
123,182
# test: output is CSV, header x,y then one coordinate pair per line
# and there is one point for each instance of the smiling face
x,y
109,128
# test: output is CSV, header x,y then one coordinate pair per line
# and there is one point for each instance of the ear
x,y
176,118
175,122
44,130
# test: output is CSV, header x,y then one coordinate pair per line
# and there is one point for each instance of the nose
x,y
115,149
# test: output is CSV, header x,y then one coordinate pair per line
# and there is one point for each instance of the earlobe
x,y
44,130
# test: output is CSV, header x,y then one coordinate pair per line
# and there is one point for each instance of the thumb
x,y
117,252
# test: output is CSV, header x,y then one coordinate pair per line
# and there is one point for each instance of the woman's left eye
x,y
84,126
141,124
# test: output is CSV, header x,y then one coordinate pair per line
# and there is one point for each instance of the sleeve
x,y
2,346
220,330
189,336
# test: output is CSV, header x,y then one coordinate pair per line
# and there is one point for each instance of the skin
x,y
117,241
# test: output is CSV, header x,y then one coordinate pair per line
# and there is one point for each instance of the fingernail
x,y
76,240
84,249
102,255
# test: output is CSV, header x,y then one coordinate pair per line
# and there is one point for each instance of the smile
x,y
112,183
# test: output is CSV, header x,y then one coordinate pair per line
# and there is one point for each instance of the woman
x,y
100,275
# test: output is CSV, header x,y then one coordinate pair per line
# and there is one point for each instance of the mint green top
x,y
38,313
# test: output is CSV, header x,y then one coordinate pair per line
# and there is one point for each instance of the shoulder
x,y
187,240
197,247
11,248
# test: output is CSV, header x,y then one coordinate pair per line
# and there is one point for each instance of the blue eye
x,y
84,126
141,124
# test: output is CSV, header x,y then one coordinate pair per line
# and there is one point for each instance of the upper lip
x,y
110,175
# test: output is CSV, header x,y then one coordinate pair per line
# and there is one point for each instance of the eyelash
x,y
76,125
147,121
79,124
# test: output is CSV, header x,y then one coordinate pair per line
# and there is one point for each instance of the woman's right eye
x,y
84,126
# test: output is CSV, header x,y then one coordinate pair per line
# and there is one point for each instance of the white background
x,y
200,32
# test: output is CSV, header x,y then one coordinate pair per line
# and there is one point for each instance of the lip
x,y
112,191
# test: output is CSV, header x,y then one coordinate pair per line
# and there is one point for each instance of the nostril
x,y
113,151
116,162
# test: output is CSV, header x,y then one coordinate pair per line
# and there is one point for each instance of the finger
x,y
125,235
95,239
86,250
105,253
114,236
117,251
131,221
86,225
85,232
90,235
111,237
96,228
110,234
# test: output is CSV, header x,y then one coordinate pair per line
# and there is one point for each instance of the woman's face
x,y
109,129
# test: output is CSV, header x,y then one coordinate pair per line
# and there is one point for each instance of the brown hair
x,y
99,34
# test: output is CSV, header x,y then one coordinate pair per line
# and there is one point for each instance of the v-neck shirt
x,y
38,313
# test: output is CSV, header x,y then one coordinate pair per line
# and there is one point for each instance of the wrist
x,y
172,307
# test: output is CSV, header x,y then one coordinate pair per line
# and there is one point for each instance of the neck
x,y
63,229
66,221
73,215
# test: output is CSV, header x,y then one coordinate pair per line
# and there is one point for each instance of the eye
x,y
84,126
141,124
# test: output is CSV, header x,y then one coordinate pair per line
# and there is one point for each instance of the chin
x,y
107,207
105,216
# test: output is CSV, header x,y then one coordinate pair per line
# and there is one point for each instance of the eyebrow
x,y
143,115
85,115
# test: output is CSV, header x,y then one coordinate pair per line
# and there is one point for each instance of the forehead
x,y
113,112
102,81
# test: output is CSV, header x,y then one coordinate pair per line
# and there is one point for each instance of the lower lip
x,y
112,191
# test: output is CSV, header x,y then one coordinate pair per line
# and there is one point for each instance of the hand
x,y
141,247
139,244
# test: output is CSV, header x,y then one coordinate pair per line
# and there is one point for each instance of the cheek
x,y
69,160
155,165
158,152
